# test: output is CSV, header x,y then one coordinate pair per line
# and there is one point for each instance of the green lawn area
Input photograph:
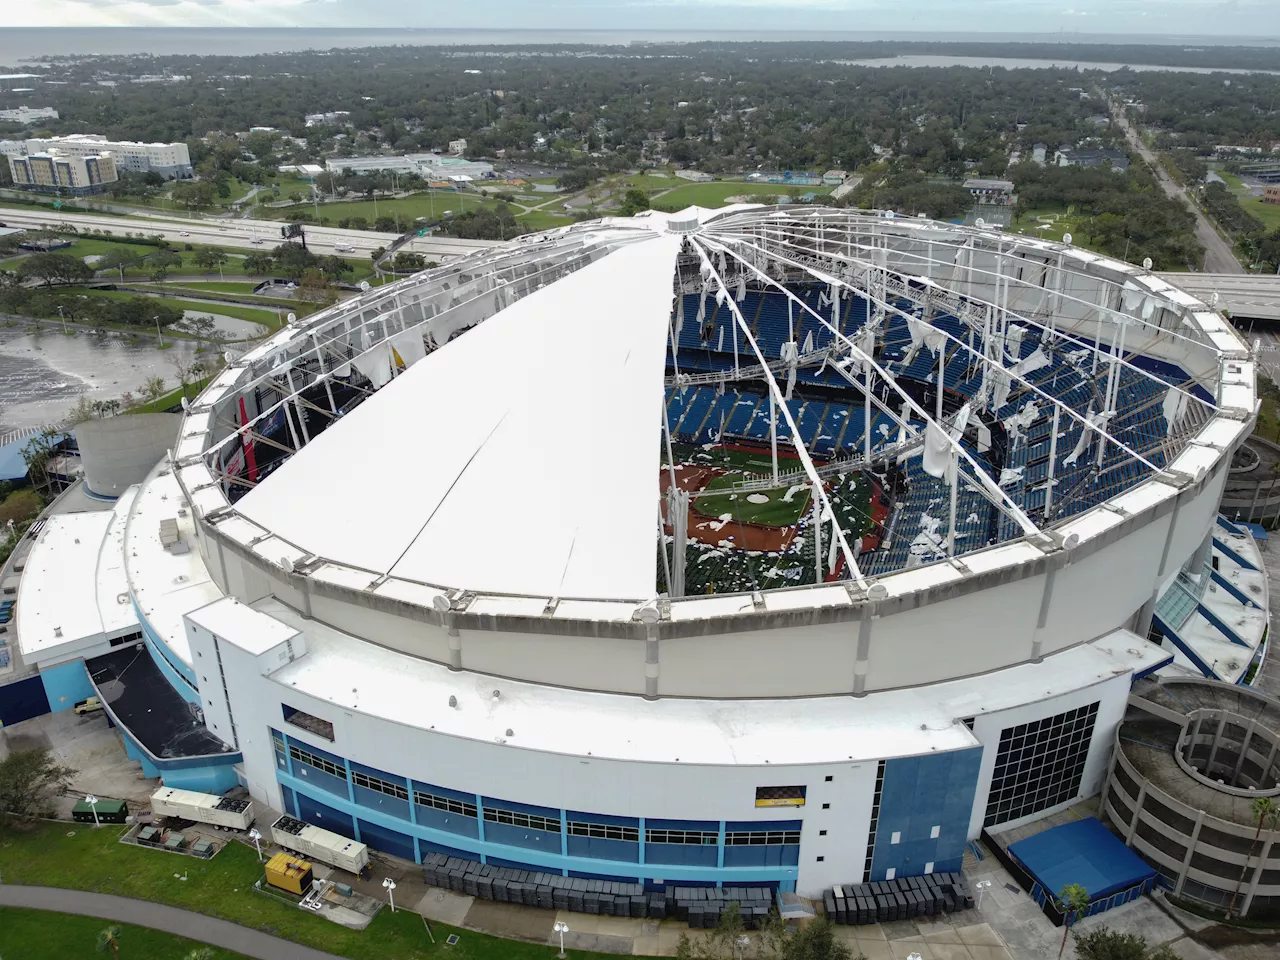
x,y
84,858
1268,213
430,204
265,317
221,286
542,220
41,935
766,507
171,399
716,193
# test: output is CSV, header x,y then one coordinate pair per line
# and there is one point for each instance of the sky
x,y
1240,18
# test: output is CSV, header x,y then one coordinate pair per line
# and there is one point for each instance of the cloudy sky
x,y
1183,17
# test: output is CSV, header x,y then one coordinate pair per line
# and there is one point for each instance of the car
x,y
184,234
256,240
344,248
91,705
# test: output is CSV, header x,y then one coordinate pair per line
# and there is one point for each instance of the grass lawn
x,y
41,935
766,507
221,286
717,193
542,220
1268,213
163,402
266,317
82,858
430,204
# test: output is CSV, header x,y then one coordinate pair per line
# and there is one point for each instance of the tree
x,y
815,940
406,261
315,287
633,202
51,268
1106,944
210,259
29,778
194,194
335,267
117,259
1266,813
109,939
152,388
257,264
1072,899
20,506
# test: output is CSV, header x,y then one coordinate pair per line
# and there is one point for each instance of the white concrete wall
x,y
120,451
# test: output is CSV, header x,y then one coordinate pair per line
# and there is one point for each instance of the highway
x,y
1219,257
1246,296
241,234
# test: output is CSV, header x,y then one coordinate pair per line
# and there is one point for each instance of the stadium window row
x,y
771,838
604,831
319,763
700,838
391,789
447,804
529,820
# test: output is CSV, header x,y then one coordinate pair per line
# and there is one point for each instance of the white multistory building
x,y
28,115
170,160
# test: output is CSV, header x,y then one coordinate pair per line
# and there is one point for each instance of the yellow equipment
x,y
289,873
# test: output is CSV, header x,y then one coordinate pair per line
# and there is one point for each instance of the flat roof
x,y
73,586
363,677
1083,852
165,585
143,701
231,620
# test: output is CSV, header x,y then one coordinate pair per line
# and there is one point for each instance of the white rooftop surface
x,y
231,619
73,582
381,683
165,585
480,492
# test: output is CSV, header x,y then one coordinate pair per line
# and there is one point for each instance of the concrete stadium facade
x,y
857,729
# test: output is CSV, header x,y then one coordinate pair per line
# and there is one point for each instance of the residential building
x,y
28,115
990,191
330,117
833,178
697,176
458,147
1117,160
170,160
1039,152
52,171
1271,193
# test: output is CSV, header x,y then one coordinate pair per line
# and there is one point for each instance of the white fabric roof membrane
x,y
521,457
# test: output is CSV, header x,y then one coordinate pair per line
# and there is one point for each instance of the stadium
x,y
763,546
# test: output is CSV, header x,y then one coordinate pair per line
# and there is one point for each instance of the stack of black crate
x,y
899,899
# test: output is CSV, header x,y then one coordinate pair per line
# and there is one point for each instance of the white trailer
x,y
222,812
316,843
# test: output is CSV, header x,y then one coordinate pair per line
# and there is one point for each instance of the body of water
x,y
21,44
1011,63
44,373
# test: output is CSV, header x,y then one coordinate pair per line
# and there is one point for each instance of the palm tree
x,y
1073,899
109,939
1266,812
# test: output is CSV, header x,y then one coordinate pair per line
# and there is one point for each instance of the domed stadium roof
x,y
760,384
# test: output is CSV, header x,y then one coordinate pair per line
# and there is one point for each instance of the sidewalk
x,y
196,926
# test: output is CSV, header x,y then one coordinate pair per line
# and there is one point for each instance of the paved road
x,y
1249,296
1219,257
243,233
196,926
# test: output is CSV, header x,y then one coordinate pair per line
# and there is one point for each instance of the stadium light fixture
x,y
561,928
92,801
255,835
390,886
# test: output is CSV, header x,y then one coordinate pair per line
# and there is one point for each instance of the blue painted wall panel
x,y
375,800
22,701
428,847
444,820
604,849
323,815
582,817
680,853
319,779
919,794
513,836
215,780
389,841
776,855
443,791
66,684
286,796
492,803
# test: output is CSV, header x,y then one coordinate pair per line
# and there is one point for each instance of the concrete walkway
x,y
196,926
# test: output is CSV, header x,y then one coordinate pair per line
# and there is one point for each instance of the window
x,y
891,873
934,832
820,859
762,838
305,721
875,820
447,804
134,637
1040,764
780,796
528,820
928,867
895,837
320,763
828,780
826,806
700,838
604,831
822,833
389,787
